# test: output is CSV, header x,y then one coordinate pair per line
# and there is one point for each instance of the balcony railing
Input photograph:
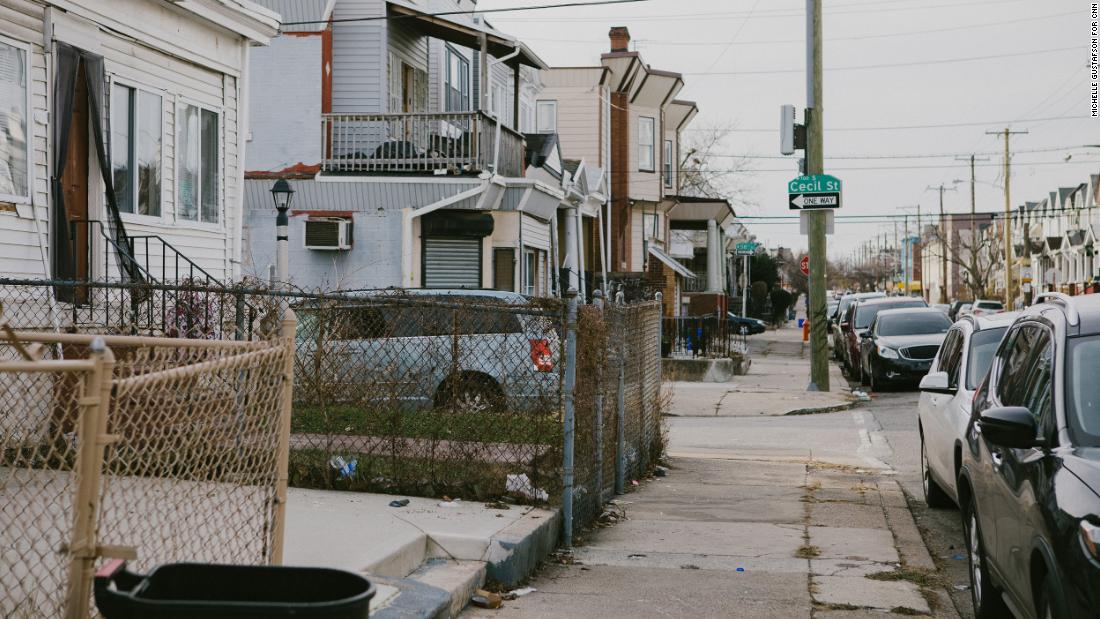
x,y
443,143
699,284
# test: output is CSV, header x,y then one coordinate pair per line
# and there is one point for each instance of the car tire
x,y
985,597
473,394
934,495
1051,604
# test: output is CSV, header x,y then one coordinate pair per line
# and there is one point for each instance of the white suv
x,y
985,307
946,394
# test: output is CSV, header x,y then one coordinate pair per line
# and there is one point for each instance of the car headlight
x,y
887,353
1090,538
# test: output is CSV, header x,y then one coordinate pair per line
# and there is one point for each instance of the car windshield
x,y
866,313
913,324
1083,390
993,305
983,345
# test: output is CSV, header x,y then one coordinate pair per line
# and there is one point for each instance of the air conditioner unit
x,y
328,233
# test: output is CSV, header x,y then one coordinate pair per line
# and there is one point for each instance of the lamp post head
x,y
282,194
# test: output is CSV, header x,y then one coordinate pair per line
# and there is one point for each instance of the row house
x,y
623,116
121,140
1056,241
956,245
413,146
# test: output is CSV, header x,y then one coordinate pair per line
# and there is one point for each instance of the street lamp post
x,y
282,194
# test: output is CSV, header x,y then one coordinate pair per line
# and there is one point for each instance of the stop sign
x,y
804,264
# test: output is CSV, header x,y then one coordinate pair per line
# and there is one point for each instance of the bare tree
x,y
976,255
707,172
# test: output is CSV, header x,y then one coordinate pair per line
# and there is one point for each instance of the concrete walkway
x,y
775,384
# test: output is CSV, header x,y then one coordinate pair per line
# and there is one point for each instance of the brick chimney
x,y
620,39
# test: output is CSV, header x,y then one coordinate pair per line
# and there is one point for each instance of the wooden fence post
x,y
282,462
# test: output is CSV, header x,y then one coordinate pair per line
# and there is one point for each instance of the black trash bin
x,y
178,590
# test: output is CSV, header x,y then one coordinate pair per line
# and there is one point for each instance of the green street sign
x,y
745,249
814,192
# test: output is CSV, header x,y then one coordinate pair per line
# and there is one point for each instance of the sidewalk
x,y
747,538
427,557
775,384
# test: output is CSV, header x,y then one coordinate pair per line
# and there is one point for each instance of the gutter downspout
x,y
408,214
244,118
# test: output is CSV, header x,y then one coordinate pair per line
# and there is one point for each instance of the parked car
x,y
836,334
858,319
745,325
467,349
1030,477
965,309
953,313
946,394
900,344
943,307
984,307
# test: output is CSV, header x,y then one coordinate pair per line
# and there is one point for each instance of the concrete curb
x,y
516,551
836,408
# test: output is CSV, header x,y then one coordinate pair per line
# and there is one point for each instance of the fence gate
x,y
152,449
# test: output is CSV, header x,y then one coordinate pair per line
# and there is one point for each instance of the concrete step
x,y
439,589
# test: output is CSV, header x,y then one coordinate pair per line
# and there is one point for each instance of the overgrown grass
x,y
422,476
433,424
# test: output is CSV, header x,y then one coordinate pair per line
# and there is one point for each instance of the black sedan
x,y
745,326
899,345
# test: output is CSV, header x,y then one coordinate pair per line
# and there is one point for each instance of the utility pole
x,y
943,242
815,164
1008,221
973,215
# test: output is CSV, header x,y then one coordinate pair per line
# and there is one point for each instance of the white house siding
x,y
536,233
358,61
578,94
285,122
159,48
20,253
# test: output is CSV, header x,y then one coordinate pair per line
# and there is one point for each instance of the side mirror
x,y
1010,426
845,325
865,335
936,382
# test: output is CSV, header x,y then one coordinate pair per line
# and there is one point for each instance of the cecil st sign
x,y
814,192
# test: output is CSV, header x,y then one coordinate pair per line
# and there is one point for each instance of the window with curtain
x,y
15,145
136,145
197,153
645,144
651,226
546,116
457,82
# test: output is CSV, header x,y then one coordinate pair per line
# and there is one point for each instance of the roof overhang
x,y
466,34
680,113
657,88
625,67
670,262
689,208
247,19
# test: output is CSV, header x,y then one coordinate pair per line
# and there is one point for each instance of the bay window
x,y
646,127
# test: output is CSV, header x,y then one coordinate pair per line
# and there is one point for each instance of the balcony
x,y
443,143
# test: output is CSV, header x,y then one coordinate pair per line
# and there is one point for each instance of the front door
x,y
74,186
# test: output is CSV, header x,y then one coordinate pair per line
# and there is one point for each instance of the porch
x,y
420,143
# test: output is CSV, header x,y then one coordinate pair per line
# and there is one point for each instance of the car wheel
x,y
472,395
1051,605
934,495
985,597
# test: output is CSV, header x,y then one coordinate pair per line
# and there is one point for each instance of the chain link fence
x,y
416,392
156,450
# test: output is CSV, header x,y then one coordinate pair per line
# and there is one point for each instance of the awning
x,y
690,208
461,29
671,262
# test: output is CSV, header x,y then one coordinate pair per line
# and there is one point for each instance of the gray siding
x,y
375,258
359,58
408,44
290,132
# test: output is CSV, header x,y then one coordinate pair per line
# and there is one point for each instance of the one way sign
x,y
803,201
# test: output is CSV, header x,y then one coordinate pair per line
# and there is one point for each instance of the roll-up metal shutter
x,y
452,262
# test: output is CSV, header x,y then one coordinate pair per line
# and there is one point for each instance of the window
x,y
651,226
645,143
1018,360
546,116
136,126
197,152
668,164
457,82
949,357
498,102
983,345
530,272
15,142
525,118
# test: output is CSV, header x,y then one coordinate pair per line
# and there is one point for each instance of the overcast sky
x,y
1028,60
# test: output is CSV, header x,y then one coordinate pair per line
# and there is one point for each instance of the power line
x,y
906,127
911,156
463,12
869,168
896,64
